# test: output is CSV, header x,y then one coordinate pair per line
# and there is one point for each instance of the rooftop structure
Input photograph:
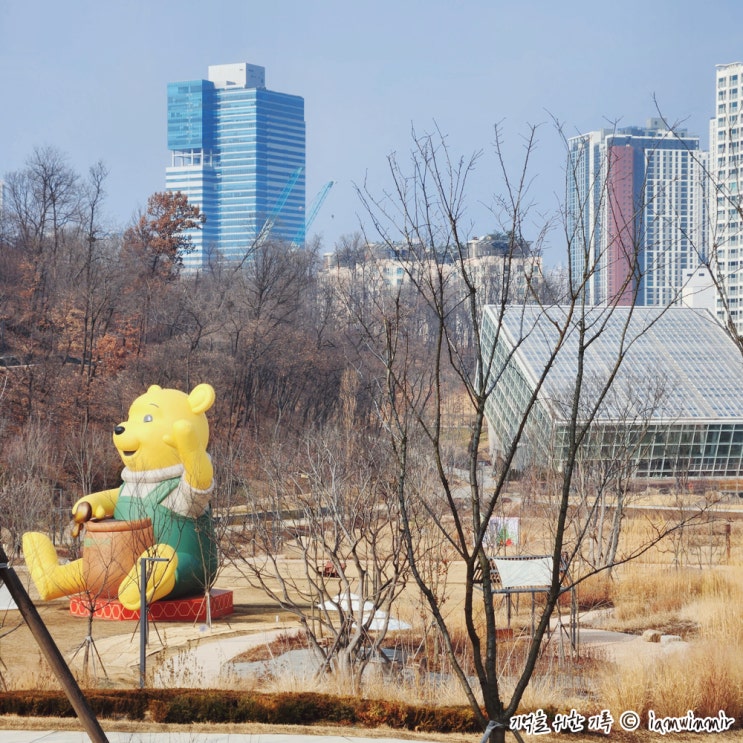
x,y
675,407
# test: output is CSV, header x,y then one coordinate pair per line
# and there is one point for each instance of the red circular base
x,y
191,609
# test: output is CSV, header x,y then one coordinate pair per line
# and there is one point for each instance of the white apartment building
x,y
725,229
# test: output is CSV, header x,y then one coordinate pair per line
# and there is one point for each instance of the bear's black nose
x,y
119,430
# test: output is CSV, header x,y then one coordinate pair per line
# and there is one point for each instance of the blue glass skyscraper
x,y
238,152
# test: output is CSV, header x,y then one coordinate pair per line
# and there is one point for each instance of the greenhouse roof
x,y
678,363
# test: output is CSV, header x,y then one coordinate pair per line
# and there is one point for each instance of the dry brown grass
x,y
701,604
705,675
706,678
595,592
661,597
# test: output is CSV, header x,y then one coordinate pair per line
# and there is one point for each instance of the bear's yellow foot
x,y
160,577
51,579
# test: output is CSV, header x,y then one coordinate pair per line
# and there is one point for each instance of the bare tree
x,y
422,220
41,201
27,480
152,252
608,461
326,542
278,363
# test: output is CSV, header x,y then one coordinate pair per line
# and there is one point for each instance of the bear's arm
x,y
197,464
101,505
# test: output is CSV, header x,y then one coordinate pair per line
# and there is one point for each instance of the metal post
x,y
143,615
51,652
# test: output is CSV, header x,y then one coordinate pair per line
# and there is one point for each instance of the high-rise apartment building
x,y
238,152
635,213
726,226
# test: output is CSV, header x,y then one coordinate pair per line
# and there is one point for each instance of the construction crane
x,y
298,240
274,215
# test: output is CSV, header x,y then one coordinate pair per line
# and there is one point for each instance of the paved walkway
x,y
196,656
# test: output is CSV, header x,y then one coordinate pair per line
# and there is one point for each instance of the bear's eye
x,y
147,418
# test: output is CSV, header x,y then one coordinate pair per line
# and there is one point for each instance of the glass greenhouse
x,y
673,409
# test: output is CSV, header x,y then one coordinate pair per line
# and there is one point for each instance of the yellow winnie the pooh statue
x,y
167,479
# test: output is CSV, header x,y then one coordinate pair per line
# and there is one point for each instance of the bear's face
x,y
144,440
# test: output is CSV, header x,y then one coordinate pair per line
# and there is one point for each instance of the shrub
x,y
186,706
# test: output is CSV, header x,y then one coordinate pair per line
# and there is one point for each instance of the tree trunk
x,y
51,651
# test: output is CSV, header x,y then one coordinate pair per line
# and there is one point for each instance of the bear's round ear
x,y
201,398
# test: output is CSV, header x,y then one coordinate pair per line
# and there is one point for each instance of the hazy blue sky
x,y
89,78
